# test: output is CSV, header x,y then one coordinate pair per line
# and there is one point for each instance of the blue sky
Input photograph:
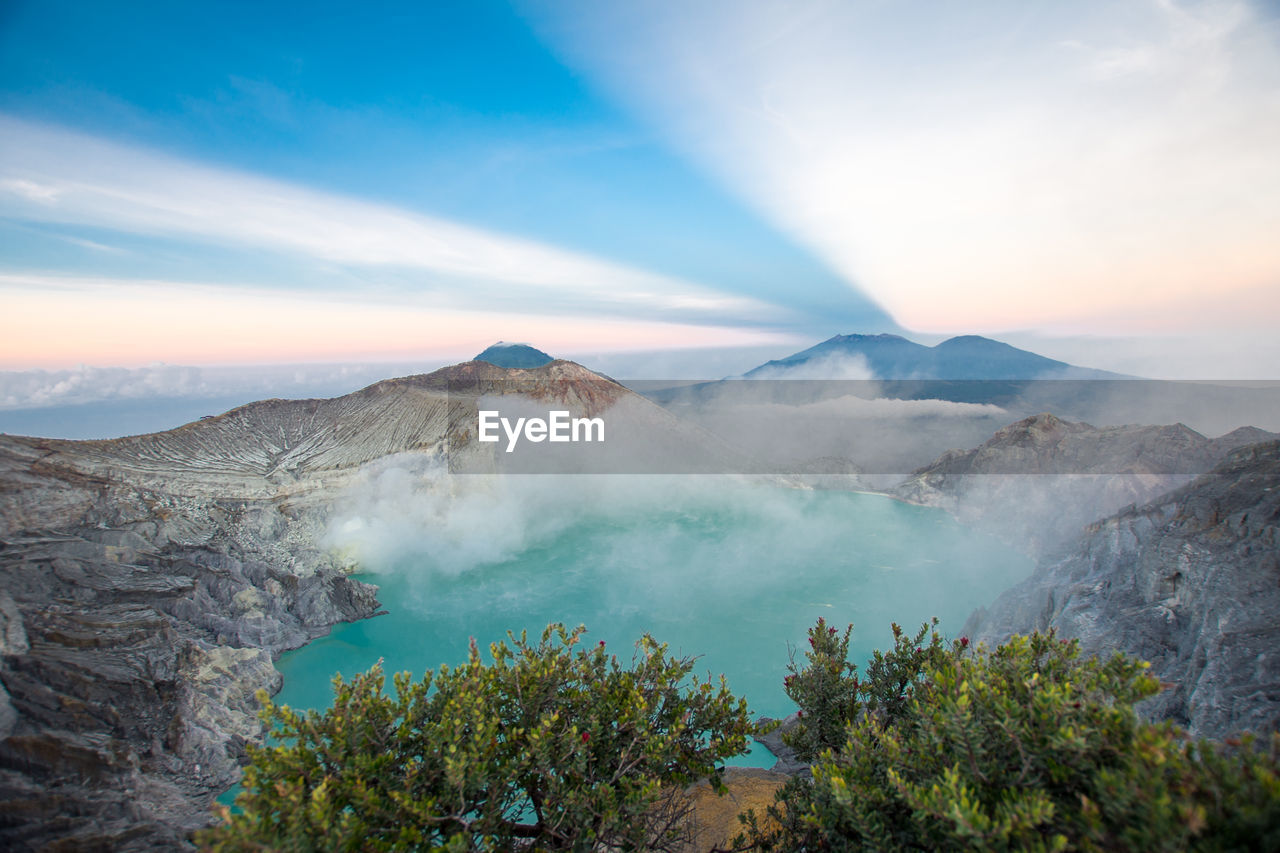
x,y
455,111
204,183
452,109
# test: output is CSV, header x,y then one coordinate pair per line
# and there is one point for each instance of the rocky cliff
x,y
1037,482
129,671
1189,581
148,583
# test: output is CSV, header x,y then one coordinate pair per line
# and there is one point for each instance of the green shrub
x,y
829,694
1025,747
826,691
550,747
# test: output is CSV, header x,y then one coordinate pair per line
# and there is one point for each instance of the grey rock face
x,y
1189,581
787,762
131,693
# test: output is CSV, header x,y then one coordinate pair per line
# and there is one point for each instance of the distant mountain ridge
x,y
896,357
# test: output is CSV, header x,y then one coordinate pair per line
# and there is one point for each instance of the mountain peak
x,y
971,340
855,338
503,354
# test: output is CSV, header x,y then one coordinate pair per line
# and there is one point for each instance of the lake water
x,y
733,573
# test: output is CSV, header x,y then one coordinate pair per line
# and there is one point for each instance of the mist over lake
x,y
731,571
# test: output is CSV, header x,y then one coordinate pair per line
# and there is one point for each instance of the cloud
x,y
34,389
473,556
93,245
856,408
39,388
29,190
1235,355
54,176
979,166
833,365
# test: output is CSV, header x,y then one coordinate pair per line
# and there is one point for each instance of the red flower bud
x,y
964,642
585,737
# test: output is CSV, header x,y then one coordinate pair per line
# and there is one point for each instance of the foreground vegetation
x,y
937,746
551,746
1028,746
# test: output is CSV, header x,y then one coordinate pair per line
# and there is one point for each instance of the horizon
x,y
103,403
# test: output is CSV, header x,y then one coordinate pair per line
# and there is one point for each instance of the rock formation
x,y
713,818
1189,581
129,672
1037,482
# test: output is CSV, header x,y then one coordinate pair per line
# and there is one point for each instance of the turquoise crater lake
x,y
731,572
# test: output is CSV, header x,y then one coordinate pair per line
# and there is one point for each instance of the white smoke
x,y
833,365
665,553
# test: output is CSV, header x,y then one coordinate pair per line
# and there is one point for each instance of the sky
x,y
246,183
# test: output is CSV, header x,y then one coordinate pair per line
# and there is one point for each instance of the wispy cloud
x,y
979,166
54,176
29,190
93,245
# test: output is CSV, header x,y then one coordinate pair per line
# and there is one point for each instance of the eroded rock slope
x,y
1189,581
